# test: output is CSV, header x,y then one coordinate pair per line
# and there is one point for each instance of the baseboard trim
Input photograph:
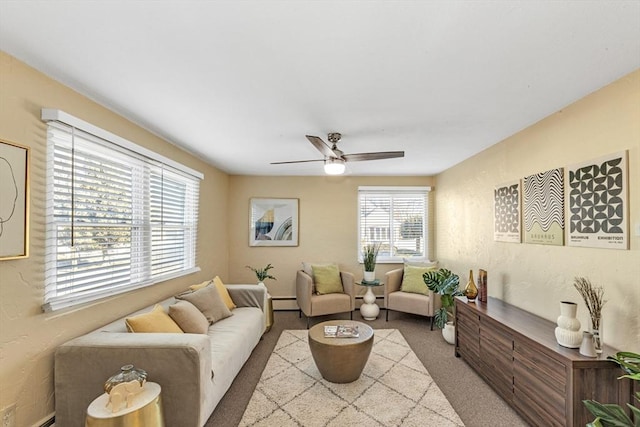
x,y
48,421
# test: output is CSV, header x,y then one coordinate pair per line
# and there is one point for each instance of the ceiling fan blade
x,y
357,157
295,161
321,146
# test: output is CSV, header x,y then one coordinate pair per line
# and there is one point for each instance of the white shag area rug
x,y
394,389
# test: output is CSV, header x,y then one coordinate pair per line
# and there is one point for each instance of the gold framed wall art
x,y
14,200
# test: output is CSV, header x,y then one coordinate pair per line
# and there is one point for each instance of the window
x,y
118,216
396,218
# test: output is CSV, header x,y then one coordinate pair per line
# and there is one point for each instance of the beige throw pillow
x,y
154,321
209,302
189,318
327,279
412,280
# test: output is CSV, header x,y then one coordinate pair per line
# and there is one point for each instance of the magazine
x,y
341,331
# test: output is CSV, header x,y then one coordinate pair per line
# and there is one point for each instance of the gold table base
x,y
149,415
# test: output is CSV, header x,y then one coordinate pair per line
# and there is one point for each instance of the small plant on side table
x,y
262,273
370,255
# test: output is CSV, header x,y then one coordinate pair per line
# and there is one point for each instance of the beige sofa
x,y
194,370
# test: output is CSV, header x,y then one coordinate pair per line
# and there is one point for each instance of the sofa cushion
x,y
224,293
412,280
154,321
200,285
189,318
208,301
327,279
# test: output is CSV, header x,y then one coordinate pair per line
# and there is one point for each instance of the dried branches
x,y
593,298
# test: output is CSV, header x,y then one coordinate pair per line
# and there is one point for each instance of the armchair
x,y
408,302
313,304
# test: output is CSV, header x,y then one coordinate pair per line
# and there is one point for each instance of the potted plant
x,y
369,256
262,273
611,414
447,285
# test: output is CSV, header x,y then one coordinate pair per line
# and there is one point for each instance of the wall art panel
x,y
597,203
543,207
506,212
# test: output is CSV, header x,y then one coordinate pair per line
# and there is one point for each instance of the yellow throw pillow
x,y
327,279
200,285
154,321
412,280
224,293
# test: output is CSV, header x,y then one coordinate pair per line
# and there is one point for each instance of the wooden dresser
x,y
517,354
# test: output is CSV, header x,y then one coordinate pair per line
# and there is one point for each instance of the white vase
x,y
568,331
449,333
369,276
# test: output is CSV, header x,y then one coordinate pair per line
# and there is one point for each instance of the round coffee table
x,y
340,360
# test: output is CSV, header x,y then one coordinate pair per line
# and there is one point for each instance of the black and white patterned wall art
x,y
543,208
597,210
506,212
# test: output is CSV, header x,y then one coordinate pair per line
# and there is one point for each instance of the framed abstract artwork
x,y
543,208
273,222
597,211
506,212
14,200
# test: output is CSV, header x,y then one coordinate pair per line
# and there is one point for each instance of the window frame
x,y
393,191
143,164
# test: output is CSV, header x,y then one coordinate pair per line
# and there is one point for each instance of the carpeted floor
x,y
474,401
394,389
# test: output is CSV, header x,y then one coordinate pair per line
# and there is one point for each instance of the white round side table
x,y
146,410
369,309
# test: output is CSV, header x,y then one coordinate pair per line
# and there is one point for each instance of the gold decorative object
x,y
471,290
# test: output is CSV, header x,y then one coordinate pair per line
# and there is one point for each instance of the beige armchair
x,y
313,304
407,302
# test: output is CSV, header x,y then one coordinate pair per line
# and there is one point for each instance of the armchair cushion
x,y
327,279
412,280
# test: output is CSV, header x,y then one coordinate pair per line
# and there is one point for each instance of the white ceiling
x,y
240,83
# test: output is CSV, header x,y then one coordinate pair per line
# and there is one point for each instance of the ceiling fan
x,y
334,159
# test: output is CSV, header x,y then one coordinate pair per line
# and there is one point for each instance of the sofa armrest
x,y
248,295
304,290
180,363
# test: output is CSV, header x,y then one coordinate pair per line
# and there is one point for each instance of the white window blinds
x,y
116,221
396,218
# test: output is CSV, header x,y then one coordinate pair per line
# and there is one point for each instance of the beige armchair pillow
x,y
412,280
327,279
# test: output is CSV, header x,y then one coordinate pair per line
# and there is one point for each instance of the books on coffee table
x,y
341,331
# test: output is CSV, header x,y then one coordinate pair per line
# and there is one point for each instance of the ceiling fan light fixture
x,y
334,166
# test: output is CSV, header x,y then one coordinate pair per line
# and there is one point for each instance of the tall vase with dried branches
x,y
593,297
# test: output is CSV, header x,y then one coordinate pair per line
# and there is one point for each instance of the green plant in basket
x,y
447,284
610,414
262,273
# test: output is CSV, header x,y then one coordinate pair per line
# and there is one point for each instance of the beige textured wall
x,y
28,337
537,277
328,230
